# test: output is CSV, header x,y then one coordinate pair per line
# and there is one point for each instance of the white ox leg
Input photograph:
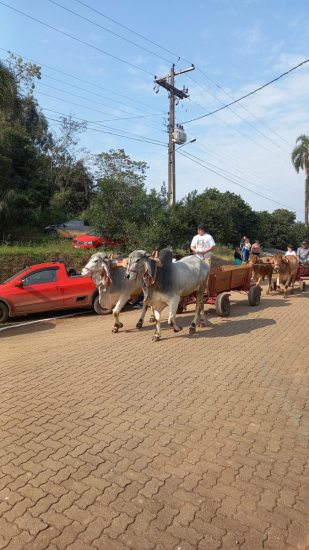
x,y
199,311
173,306
116,311
157,334
140,322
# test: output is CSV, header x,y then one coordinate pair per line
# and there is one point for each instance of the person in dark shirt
x,y
237,256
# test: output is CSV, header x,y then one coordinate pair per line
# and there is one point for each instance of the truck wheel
x,y
98,309
223,305
4,313
254,295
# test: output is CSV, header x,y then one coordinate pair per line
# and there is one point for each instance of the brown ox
x,y
260,270
286,269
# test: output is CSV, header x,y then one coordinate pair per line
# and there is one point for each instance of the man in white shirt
x,y
202,244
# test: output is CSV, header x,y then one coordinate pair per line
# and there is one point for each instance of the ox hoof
x,y
115,330
192,330
139,324
177,329
202,324
156,338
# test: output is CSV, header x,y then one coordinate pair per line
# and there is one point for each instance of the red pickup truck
x,y
46,287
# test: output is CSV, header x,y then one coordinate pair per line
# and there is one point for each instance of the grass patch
x,y
20,256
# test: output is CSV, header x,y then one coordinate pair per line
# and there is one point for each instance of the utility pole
x,y
168,82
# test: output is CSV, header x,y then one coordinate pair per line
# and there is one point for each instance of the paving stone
x,y
185,445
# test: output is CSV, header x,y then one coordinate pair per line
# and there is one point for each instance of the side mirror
x,y
19,284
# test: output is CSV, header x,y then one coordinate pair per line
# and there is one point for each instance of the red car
x,y
94,241
46,287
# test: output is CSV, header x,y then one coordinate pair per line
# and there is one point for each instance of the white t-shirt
x,y
293,253
201,242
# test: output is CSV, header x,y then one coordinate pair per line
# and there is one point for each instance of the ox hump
x,y
165,256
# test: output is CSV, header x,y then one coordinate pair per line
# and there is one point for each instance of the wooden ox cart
x,y
222,280
302,276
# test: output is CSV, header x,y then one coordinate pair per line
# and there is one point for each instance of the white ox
x,y
165,282
114,286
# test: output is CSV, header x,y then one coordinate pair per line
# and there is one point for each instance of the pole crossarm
x,y
179,93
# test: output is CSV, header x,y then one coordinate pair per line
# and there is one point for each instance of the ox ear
x,y
106,277
285,260
149,276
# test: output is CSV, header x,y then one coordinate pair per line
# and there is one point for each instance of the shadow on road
x,y
231,327
26,329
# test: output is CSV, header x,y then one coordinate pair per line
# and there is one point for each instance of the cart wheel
x,y
98,309
223,305
274,285
302,286
254,295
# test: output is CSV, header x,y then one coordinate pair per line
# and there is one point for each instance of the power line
x,y
99,103
242,107
150,142
248,94
120,132
130,30
245,135
239,116
76,39
234,175
92,108
199,70
83,80
107,30
217,154
200,162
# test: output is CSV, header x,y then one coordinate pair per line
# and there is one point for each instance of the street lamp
x,y
186,143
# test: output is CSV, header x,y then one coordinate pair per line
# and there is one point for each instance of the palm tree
x,y
300,159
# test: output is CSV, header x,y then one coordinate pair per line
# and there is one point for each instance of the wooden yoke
x,y
123,262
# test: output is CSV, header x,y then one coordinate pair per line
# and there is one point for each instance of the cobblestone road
x,y
114,442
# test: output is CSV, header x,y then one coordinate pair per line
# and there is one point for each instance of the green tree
x,y
9,98
116,165
71,184
120,208
226,215
300,159
282,222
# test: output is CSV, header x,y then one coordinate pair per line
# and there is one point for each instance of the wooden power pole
x,y
167,82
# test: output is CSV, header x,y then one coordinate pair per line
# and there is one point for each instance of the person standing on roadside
x,y
246,250
256,248
203,244
242,242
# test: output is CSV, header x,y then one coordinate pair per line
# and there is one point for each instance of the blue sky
x,y
236,47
